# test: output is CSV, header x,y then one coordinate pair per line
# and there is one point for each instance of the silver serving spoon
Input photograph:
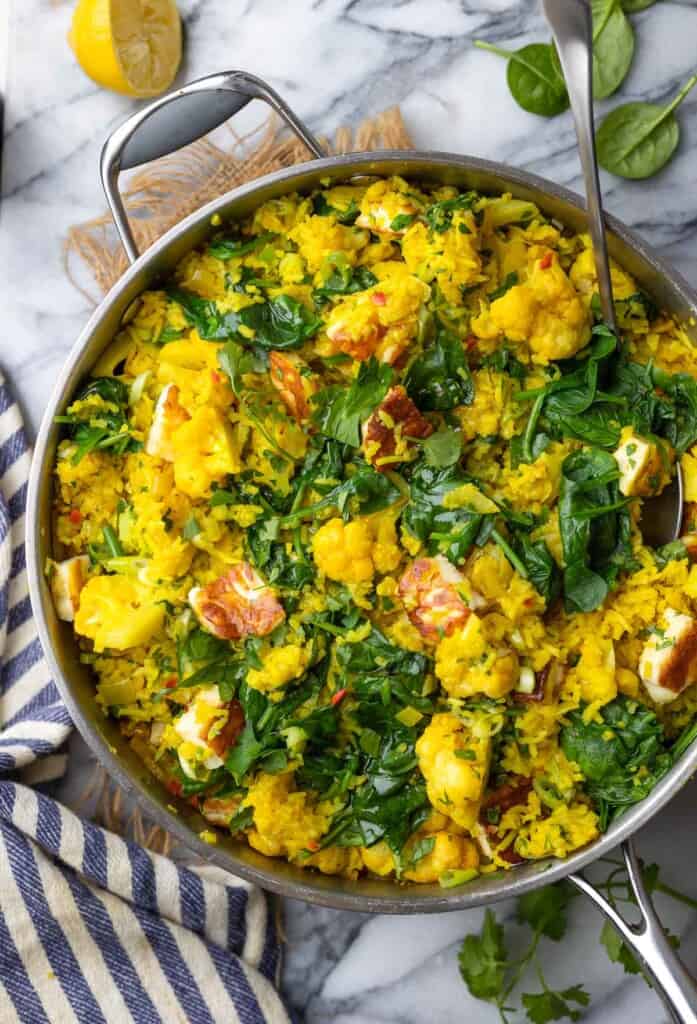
x,y
572,29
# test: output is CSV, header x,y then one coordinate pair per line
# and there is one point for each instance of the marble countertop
x,y
337,61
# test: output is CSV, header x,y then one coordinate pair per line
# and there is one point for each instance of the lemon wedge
x,y
130,46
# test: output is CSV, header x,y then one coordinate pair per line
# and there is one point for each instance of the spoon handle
x,y
572,29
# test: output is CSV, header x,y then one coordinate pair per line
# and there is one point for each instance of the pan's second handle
x,y
175,120
649,942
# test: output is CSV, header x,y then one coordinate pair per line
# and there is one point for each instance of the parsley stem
x,y
509,553
112,541
679,897
531,427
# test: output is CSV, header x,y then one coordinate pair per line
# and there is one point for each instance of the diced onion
x,y
526,680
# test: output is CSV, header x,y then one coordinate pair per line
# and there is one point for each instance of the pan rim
x,y
514,883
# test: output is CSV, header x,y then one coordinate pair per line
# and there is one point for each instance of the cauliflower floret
x,y
117,612
668,663
390,430
67,580
379,321
279,666
584,278
205,449
645,466
450,852
318,237
237,605
353,552
450,257
168,415
294,382
383,202
286,822
469,661
454,760
192,364
544,311
429,592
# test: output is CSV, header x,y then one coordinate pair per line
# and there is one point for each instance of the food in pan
x,y
347,524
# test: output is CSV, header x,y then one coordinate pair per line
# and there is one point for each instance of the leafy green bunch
x,y
636,139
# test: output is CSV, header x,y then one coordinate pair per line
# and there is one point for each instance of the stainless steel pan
x,y
166,125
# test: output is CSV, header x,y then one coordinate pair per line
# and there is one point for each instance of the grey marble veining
x,y
337,61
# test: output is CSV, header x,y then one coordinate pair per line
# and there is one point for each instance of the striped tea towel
x,y
94,929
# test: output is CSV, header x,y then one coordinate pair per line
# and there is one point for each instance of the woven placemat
x,y
165,192
156,198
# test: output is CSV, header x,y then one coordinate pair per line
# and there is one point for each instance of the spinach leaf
x,y
508,282
323,208
676,418
595,528
613,47
95,428
637,139
283,570
344,280
439,379
633,6
443,448
622,756
363,492
339,411
534,77
503,361
540,567
204,315
235,360
227,249
280,323
675,551
439,216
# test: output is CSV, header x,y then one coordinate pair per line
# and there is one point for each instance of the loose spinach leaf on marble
x,y
637,139
534,77
339,411
439,378
613,47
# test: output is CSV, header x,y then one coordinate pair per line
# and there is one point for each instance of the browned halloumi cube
x,y
168,415
668,663
391,429
644,465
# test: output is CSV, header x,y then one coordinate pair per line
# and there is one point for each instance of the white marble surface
x,y
337,61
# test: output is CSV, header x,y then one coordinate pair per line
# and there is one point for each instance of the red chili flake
x,y
312,844
470,341
193,801
174,786
338,697
171,682
529,601
546,261
379,298
215,377
75,516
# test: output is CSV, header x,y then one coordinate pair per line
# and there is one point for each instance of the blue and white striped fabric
x,y
94,929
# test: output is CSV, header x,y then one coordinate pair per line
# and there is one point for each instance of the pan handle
x,y
175,120
649,942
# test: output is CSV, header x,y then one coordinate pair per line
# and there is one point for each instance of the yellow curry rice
x,y
347,526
